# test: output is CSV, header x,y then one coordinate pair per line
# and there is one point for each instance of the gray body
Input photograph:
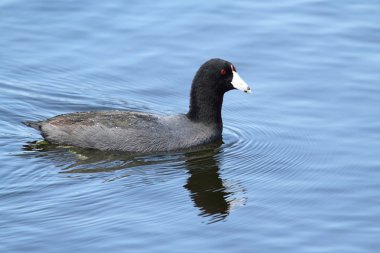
x,y
126,131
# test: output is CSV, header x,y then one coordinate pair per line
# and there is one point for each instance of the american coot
x,y
143,132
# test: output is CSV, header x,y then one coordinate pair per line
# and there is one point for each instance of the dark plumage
x,y
142,132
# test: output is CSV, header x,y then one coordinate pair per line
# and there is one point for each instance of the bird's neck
x,y
205,108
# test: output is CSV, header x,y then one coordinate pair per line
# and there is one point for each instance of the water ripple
x,y
265,155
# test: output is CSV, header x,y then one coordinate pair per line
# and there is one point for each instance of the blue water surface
x,y
299,166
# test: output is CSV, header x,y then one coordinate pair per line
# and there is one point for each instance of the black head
x,y
214,78
220,76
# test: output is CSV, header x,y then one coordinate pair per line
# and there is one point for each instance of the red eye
x,y
223,72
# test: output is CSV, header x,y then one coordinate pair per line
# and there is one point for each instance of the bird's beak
x,y
239,83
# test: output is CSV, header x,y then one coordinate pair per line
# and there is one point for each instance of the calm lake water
x,y
299,166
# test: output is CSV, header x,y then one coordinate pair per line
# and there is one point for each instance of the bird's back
x,y
125,131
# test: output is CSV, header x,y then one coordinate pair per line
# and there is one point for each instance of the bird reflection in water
x,y
212,195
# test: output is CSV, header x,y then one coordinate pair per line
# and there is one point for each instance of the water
x,y
298,169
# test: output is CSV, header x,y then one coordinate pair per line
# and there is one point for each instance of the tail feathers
x,y
34,124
